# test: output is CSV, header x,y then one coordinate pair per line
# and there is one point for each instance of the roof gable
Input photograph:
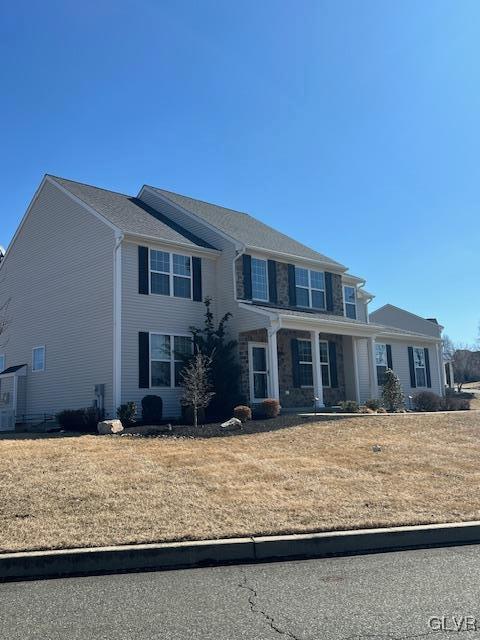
x,y
246,229
130,215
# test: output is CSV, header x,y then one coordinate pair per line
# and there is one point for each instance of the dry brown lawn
x,y
90,490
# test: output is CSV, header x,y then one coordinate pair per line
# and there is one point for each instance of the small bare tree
x,y
197,390
463,366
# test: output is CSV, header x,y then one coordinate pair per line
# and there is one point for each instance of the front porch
x,y
303,367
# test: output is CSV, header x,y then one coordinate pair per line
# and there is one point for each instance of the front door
x,y
257,358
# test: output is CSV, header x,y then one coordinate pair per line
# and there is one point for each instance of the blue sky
x,y
353,126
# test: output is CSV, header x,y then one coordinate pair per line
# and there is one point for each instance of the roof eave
x,y
183,245
291,256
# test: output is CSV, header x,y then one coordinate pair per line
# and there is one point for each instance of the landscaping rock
x,y
109,426
233,423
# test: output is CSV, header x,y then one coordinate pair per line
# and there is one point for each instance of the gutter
x,y
117,320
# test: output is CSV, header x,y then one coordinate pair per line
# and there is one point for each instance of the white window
x,y
305,363
350,302
310,288
167,357
38,359
325,363
381,361
170,274
259,279
420,368
2,362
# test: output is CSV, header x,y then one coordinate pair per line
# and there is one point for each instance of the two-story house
x,y
104,287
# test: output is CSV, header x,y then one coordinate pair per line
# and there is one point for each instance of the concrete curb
x,y
174,555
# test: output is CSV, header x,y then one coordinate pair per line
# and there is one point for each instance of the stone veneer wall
x,y
283,299
297,397
258,335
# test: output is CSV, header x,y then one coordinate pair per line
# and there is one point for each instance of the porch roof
x,y
289,318
11,370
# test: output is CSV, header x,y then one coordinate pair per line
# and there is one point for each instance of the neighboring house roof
x,y
131,215
245,229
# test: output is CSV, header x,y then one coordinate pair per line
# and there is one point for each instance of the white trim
x,y
172,360
317,370
328,364
171,275
335,267
266,278
273,353
372,368
440,367
422,349
306,386
117,320
310,289
251,346
350,303
355,368
40,346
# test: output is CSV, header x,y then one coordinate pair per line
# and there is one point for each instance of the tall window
x,y
420,368
2,362
305,363
310,288
259,279
167,359
350,301
381,360
325,363
38,359
170,274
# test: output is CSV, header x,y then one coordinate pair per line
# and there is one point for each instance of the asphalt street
x,y
431,593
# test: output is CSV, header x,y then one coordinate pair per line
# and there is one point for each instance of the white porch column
x,y
372,368
355,368
317,370
441,371
273,364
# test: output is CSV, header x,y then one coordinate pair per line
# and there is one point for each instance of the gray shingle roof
x,y
131,215
246,229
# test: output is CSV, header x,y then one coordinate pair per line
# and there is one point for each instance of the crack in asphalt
x,y
254,608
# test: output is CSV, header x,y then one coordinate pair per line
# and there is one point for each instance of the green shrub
x,y
373,403
392,394
270,408
152,409
427,401
243,413
84,420
349,406
126,413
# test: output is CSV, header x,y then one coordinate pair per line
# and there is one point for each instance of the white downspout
x,y
117,321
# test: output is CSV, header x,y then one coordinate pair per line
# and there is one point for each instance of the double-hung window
x,y
2,362
381,361
420,366
310,288
167,359
325,363
305,363
259,280
38,359
170,274
350,302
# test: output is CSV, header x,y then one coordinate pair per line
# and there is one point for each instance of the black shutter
x,y
295,364
143,270
332,352
292,292
329,290
389,357
247,276
143,360
197,279
427,368
272,281
413,382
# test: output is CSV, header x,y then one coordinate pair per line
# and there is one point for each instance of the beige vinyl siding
x,y
156,314
59,276
400,365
